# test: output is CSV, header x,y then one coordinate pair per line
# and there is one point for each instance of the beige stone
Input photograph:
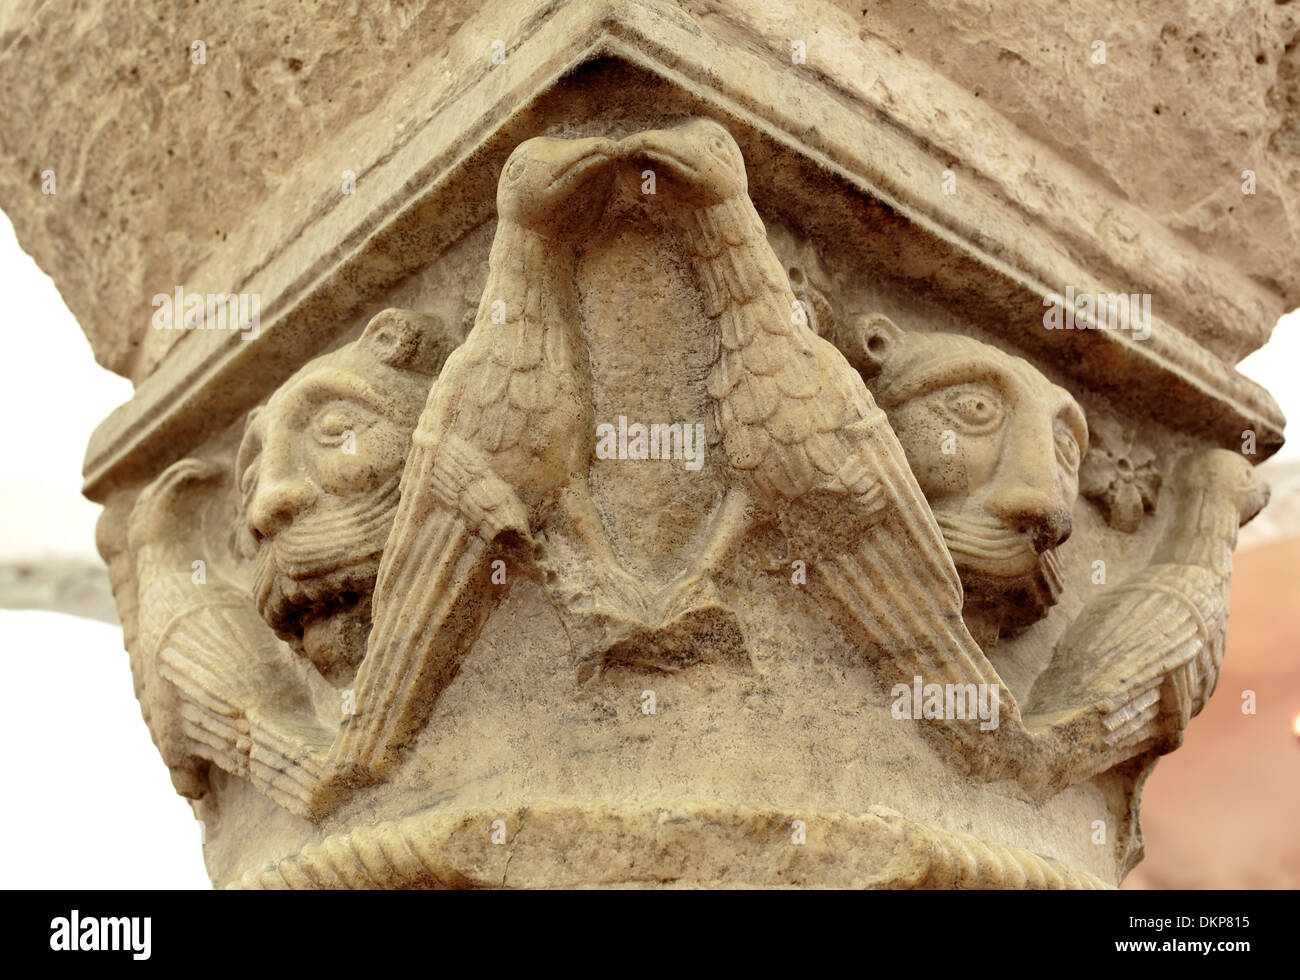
x,y
660,452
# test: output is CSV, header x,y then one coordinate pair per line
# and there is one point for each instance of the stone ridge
x,y
685,846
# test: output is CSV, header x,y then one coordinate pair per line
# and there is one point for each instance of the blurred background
x,y
1219,813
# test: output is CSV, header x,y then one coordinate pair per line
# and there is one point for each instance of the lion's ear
x,y
870,342
408,339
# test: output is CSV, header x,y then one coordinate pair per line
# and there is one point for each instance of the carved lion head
x,y
996,449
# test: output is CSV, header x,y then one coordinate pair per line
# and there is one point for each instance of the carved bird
x,y
1147,651
506,434
803,438
224,689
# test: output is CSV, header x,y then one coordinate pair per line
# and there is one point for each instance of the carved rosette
x,y
1118,475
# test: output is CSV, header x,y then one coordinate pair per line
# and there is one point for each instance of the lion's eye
x,y
1067,447
515,170
976,409
333,424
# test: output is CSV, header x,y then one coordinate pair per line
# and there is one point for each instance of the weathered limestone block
x,y
657,443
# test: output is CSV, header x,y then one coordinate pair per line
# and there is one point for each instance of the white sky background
x,y
88,803
1274,366
52,395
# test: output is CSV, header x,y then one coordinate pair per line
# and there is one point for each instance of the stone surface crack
x,y
523,814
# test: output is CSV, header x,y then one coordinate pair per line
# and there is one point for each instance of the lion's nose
x,y
277,502
1054,530
1037,514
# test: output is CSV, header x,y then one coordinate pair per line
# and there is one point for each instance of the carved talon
x,y
687,592
612,582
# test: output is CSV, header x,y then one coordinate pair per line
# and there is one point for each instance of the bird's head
x,y
557,187
1226,473
697,162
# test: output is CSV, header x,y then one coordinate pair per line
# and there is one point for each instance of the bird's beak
x,y
660,147
587,155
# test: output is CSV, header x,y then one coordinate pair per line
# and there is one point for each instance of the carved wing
x,y
797,417
428,602
512,364
248,712
235,695
1158,631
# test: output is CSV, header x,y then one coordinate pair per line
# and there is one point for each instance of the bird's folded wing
x,y
426,606
242,705
286,760
1119,646
1122,654
901,585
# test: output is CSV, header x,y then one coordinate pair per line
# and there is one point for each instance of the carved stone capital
x,y
656,462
